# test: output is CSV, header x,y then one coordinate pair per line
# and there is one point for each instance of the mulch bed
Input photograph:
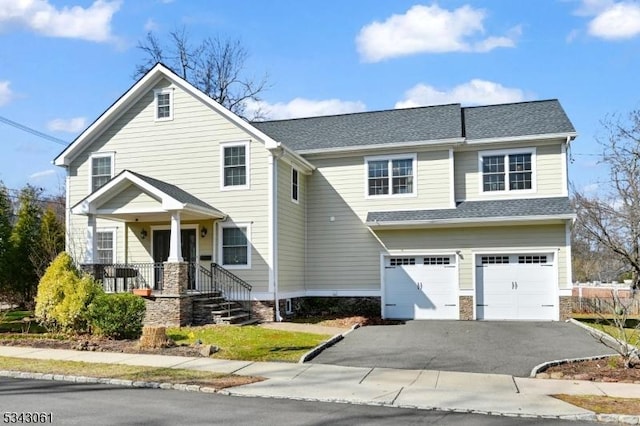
x,y
599,370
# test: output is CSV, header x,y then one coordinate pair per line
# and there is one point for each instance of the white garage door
x,y
421,287
516,287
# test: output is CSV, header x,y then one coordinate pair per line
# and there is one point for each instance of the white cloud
x,y
611,20
300,107
474,92
42,174
151,25
429,29
591,188
92,23
6,94
72,125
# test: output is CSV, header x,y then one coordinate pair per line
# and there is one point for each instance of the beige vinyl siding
x,y
291,231
549,183
342,254
185,152
131,198
539,238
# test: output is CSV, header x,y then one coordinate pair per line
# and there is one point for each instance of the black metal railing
x,y
124,277
231,287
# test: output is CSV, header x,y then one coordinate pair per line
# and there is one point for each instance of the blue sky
x,y
63,62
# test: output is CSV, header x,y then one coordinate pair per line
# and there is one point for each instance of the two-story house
x,y
442,212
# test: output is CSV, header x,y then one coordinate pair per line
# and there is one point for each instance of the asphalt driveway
x,y
470,346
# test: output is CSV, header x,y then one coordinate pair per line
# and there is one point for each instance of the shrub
x,y
63,296
118,316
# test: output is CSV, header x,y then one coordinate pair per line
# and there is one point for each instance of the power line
x,y
33,131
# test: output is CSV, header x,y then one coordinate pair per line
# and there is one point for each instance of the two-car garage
x,y
508,286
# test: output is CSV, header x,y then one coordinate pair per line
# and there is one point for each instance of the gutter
x,y
395,223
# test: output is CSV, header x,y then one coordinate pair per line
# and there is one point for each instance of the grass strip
x,y
603,404
250,343
126,372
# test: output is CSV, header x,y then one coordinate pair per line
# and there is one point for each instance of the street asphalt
x,y
495,347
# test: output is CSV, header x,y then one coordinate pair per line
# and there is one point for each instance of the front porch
x,y
186,294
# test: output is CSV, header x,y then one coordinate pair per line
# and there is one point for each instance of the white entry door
x,y
421,287
516,287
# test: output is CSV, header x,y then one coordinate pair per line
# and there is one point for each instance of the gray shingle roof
x,y
519,119
481,210
419,124
174,192
366,128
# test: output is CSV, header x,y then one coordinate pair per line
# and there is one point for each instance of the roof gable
x,y
135,93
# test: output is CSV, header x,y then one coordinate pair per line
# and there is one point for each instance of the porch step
x,y
226,312
234,319
247,322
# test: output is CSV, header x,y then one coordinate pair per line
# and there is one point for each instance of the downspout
x,y
273,251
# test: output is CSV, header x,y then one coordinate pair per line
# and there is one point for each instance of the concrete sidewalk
x,y
424,389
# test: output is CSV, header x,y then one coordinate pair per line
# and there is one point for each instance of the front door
x,y
161,241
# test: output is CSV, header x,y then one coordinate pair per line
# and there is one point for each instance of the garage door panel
x,y
421,287
515,286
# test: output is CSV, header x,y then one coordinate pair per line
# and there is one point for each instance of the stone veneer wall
x,y
566,308
171,311
466,308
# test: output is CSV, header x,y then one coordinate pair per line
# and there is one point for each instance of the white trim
x,y
163,91
221,226
67,212
297,185
452,180
513,195
114,251
524,138
563,168
565,292
92,156
247,165
377,147
271,225
505,154
569,266
514,219
389,158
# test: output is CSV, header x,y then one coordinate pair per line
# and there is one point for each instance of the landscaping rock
x,y
207,350
542,376
581,377
557,375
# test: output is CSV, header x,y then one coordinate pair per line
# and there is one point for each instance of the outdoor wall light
x,y
203,232
143,234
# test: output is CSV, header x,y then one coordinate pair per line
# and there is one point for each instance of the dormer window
x,y
163,104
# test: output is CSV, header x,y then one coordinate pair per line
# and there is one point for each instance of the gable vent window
x,y
398,261
532,259
437,260
493,260
163,104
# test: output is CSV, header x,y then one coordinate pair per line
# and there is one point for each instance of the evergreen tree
x,y
50,244
5,244
24,238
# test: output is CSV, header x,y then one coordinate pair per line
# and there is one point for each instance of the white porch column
x,y
175,244
91,246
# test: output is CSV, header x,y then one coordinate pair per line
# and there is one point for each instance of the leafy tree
x,y
215,66
612,220
5,235
24,237
50,242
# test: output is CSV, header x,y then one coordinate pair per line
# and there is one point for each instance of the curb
x,y
600,334
545,365
324,345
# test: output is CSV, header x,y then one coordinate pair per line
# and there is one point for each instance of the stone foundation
x,y
566,308
466,308
263,310
170,311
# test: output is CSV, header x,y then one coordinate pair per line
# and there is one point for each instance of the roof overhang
x,y
383,146
470,222
94,202
524,138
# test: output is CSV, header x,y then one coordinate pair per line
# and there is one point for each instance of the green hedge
x,y
118,316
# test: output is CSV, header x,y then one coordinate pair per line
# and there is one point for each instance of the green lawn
x,y
250,343
11,322
632,330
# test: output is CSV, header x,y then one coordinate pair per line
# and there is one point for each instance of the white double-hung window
x,y
101,169
106,246
391,175
234,165
163,104
235,245
509,170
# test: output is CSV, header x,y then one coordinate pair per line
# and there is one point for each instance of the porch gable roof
x,y
170,197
